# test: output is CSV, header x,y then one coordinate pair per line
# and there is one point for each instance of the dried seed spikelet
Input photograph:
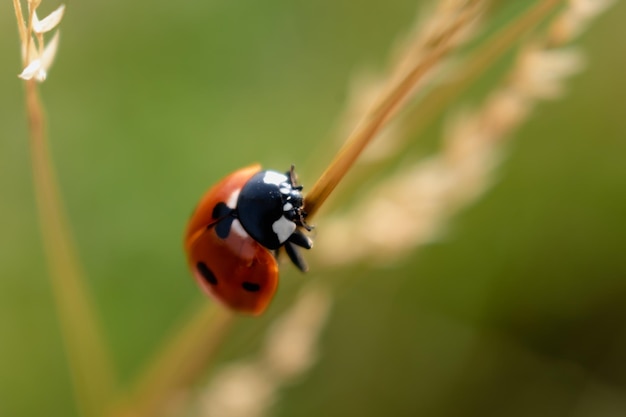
x,y
37,57
574,20
248,388
449,23
412,207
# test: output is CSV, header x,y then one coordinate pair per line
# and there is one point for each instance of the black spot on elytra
x,y
206,273
250,286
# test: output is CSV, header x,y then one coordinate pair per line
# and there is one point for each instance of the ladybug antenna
x,y
300,214
293,178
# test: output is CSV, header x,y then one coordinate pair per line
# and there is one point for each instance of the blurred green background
x,y
520,310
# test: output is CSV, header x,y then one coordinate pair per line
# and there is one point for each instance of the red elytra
x,y
236,271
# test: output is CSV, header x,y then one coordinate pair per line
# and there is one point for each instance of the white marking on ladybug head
x,y
232,199
273,177
238,229
287,206
283,228
285,190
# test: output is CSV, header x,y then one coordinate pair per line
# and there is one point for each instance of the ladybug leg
x,y
225,216
300,239
291,247
222,227
221,210
298,217
295,256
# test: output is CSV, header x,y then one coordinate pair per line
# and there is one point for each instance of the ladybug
x,y
235,233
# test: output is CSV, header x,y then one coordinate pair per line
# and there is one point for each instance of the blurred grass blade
x,y
183,359
434,103
89,361
419,199
387,106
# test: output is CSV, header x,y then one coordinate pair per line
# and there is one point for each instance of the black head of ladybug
x,y
269,208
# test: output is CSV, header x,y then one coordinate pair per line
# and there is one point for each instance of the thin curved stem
x,y
378,118
90,366
180,362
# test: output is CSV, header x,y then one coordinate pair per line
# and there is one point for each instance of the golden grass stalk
x,y
177,365
89,361
366,87
417,202
436,101
443,42
90,366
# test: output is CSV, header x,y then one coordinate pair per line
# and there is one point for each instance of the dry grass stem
x,y
464,14
463,75
179,364
248,388
19,16
416,203
432,27
88,358
89,362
